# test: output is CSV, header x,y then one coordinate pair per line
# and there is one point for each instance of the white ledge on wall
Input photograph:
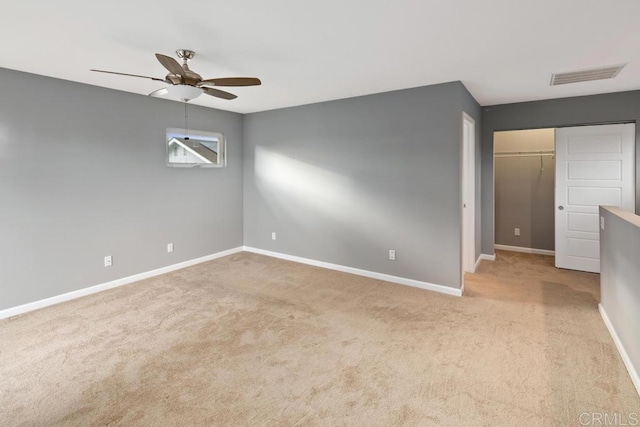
x,y
359,272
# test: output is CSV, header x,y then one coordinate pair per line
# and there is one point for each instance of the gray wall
x,y
614,107
524,199
345,181
619,273
83,175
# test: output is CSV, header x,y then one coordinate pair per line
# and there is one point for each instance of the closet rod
x,y
524,153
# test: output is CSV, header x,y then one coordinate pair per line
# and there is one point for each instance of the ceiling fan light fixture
x,y
184,93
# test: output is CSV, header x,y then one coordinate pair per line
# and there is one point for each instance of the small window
x,y
197,148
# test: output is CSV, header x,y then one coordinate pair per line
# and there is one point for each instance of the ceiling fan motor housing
x,y
191,79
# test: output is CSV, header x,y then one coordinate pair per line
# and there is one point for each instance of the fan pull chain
x,y
186,123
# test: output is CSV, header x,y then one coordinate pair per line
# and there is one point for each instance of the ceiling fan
x,y
185,84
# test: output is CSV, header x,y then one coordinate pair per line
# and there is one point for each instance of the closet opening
x,y
549,184
524,184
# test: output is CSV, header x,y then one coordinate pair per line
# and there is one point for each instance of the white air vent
x,y
586,75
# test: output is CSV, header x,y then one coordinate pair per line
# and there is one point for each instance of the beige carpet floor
x,y
252,340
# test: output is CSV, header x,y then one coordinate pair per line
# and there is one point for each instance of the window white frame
x,y
200,136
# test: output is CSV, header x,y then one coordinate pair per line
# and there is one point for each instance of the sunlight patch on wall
x,y
303,193
306,184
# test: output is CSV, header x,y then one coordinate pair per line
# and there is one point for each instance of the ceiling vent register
x,y
586,75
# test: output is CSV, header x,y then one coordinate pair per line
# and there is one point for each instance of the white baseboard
x,y
484,256
25,308
635,378
371,274
525,250
487,257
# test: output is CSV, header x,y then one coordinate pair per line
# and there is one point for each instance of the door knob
x,y
561,207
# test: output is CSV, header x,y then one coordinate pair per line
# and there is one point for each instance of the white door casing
x,y
595,165
468,194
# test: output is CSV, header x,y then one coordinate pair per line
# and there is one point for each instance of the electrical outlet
x,y
392,254
273,235
516,231
602,222
169,247
108,261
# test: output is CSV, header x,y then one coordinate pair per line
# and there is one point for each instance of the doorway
x,y
524,175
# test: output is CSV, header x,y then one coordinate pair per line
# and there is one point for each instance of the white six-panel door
x,y
594,166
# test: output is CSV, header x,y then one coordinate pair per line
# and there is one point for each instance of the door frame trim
x,y
468,189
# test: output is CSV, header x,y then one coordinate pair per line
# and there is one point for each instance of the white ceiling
x,y
309,51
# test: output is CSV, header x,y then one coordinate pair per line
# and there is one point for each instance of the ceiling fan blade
x,y
231,81
171,64
159,92
130,75
219,93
